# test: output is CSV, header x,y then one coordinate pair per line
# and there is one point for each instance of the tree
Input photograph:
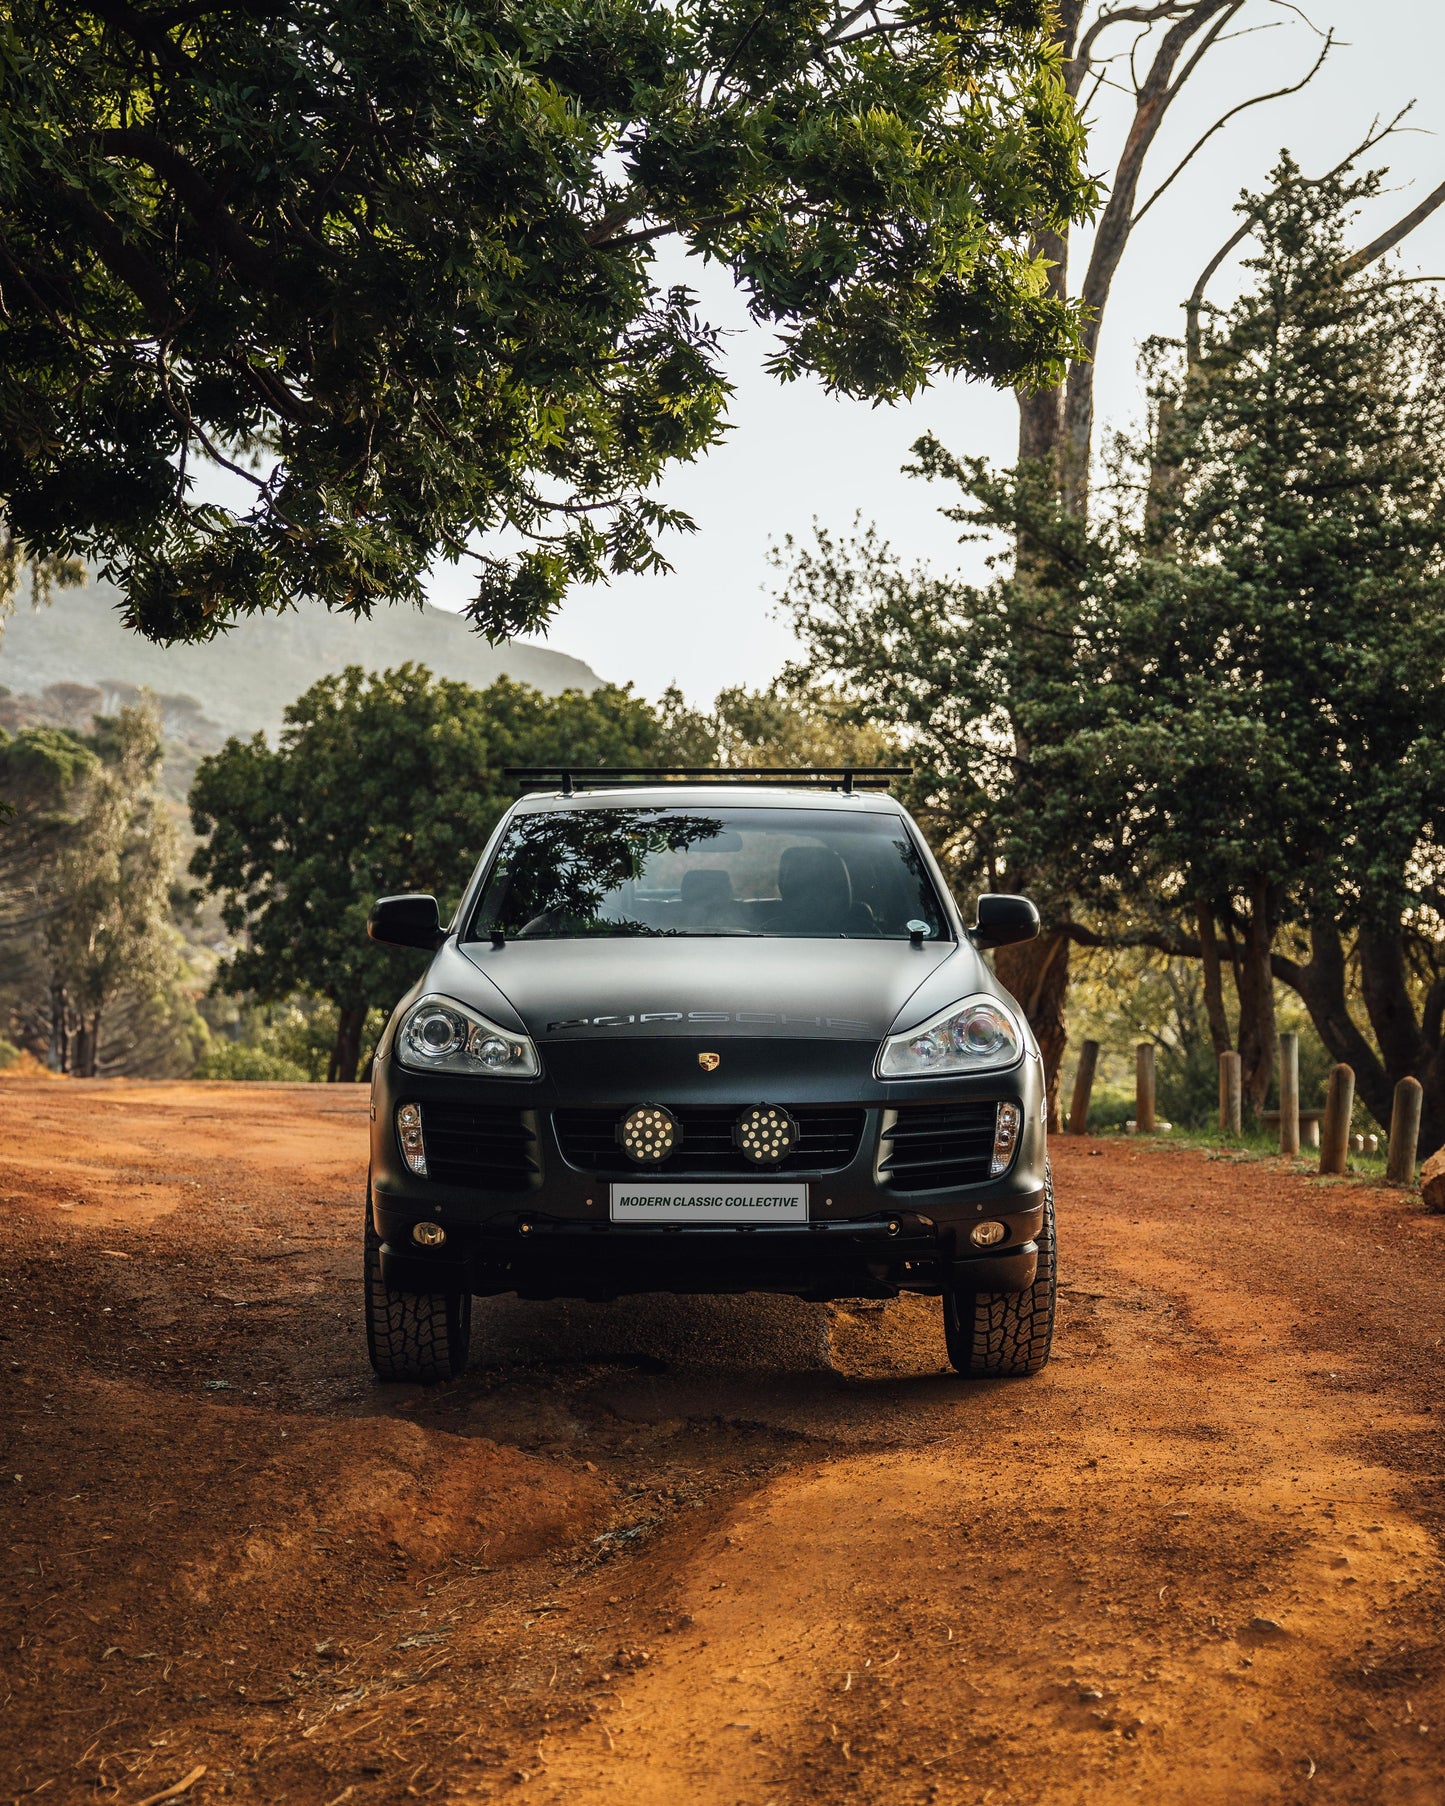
x,y
110,935
46,574
1149,54
93,967
1261,725
1224,739
969,682
795,723
391,267
380,784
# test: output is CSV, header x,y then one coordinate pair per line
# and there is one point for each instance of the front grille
x,y
828,1139
471,1145
933,1145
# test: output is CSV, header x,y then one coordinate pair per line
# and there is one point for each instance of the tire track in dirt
x,y
1166,1569
721,1550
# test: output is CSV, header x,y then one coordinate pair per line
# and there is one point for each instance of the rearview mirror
x,y
1002,921
410,921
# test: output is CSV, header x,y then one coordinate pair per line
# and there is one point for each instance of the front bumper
x,y
545,1232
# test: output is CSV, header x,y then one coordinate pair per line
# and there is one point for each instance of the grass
x,y
1259,1145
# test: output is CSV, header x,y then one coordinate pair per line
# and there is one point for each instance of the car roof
x,y
714,796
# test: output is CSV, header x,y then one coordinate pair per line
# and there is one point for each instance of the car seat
x,y
817,895
707,900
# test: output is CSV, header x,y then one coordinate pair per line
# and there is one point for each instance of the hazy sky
x,y
795,455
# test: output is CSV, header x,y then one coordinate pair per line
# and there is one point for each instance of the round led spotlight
x,y
649,1134
765,1134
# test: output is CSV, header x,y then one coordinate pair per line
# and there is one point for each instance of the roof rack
x,y
571,778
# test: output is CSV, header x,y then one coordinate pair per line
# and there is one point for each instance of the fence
x,y
1327,1129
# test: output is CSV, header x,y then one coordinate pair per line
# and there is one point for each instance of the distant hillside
x,y
243,680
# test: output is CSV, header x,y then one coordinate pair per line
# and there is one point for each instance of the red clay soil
x,y
722,1551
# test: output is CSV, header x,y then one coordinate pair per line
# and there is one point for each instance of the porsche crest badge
x,y
709,1061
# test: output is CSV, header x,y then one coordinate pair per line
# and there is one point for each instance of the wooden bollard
x,y
1144,1088
1083,1088
1335,1129
1289,1094
1231,1094
1404,1132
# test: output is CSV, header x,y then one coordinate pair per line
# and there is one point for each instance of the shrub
x,y
230,1060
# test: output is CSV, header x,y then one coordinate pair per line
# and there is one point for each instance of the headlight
x,y
442,1035
977,1036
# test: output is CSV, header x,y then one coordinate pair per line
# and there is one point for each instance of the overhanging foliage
x,y
391,266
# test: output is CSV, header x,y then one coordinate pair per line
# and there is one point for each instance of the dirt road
x,y
734,1551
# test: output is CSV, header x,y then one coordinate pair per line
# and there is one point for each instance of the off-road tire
x,y
418,1336
1006,1335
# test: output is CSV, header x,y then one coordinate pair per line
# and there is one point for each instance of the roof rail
x,y
571,778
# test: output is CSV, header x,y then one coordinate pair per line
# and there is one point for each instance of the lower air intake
x,y
494,1149
934,1145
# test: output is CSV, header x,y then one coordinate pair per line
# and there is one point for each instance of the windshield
x,y
806,873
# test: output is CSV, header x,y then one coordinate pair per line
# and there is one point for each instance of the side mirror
x,y
411,921
1002,921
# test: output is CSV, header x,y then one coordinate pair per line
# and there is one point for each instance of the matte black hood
x,y
721,986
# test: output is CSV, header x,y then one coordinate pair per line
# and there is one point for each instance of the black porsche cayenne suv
x,y
707,1037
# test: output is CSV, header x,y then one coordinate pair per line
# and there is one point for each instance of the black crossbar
x,y
569,779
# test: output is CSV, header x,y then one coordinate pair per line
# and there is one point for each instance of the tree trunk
x,y
1036,974
346,1049
58,1055
1320,985
85,1047
1411,1047
1432,1114
91,1068
1257,1033
1213,984
1385,987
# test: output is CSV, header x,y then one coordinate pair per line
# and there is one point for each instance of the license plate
x,y
709,1202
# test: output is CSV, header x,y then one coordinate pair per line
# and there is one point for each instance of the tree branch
x,y
1400,230
1178,946
853,14
273,391
1194,306
1131,15
196,194
635,202
126,262
1224,119
1156,94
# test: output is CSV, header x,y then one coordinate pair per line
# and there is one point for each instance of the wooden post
x,y
1144,1088
1335,1129
1404,1132
1231,1095
1083,1088
1289,1094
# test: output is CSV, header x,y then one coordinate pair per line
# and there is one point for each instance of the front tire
x,y
418,1336
1006,1335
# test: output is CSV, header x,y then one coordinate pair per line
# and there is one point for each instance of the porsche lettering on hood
x,y
707,1018
799,989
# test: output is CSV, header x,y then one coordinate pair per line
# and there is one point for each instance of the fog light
x,y
430,1235
765,1134
649,1134
987,1235
1005,1138
408,1133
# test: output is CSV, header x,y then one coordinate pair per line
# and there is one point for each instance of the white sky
x,y
796,455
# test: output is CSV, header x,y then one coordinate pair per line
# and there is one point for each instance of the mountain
x,y
242,680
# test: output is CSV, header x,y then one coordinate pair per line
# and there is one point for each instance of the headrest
x,y
707,886
816,874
